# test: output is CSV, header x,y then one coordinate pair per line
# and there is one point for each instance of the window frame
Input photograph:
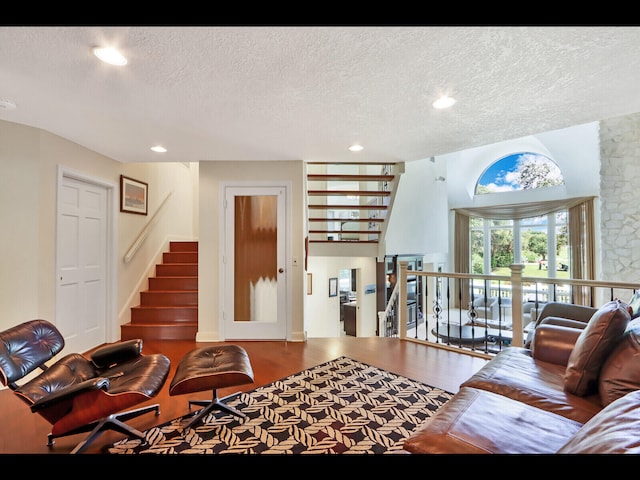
x,y
488,225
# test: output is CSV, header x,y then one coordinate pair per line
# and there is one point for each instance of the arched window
x,y
519,171
540,241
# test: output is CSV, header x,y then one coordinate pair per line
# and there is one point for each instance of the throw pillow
x,y
620,373
595,343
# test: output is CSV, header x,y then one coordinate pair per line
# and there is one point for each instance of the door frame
x,y
287,301
112,329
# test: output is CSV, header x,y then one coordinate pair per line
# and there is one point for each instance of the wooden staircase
x,y
348,202
168,310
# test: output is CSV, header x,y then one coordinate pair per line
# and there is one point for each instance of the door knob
x,y
281,270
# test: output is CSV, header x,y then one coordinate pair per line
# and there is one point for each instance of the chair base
x,y
112,422
209,405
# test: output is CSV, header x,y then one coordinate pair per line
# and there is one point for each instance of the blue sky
x,y
502,176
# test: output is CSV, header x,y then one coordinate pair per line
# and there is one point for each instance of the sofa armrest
x,y
556,311
554,343
571,311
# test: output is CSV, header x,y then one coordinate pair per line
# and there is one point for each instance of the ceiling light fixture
x,y
159,149
110,55
356,148
444,102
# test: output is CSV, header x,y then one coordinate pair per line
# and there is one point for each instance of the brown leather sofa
x,y
576,390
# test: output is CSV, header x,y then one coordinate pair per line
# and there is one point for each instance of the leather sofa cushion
x,y
514,373
613,430
477,421
620,373
602,333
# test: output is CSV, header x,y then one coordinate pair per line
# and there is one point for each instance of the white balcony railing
x,y
481,314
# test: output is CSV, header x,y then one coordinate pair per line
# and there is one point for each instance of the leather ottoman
x,y
211,368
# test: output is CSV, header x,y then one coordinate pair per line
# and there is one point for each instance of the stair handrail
x,y
144,233
383,317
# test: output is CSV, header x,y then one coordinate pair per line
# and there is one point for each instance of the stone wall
x,y
620,199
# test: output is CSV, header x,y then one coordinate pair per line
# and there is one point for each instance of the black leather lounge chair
x,y
77,393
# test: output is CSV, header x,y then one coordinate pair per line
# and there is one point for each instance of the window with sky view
x,y
540,239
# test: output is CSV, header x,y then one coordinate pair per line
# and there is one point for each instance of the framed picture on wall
x,y
133,195
333,287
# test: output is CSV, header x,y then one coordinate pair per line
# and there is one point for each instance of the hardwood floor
x,y
24,432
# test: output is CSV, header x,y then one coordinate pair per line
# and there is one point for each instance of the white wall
x,y
29,161
417,224
20,214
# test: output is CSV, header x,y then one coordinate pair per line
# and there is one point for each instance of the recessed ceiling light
x,y
110,55
159,149
356,148
444,102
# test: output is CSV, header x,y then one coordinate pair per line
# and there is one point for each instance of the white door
x,y
81,294
255,273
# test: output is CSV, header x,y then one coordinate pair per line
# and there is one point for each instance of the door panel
x,y
81,264
255,270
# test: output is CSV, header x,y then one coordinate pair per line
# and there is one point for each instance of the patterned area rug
x,y
339,407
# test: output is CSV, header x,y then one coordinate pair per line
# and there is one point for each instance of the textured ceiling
x,y
287,93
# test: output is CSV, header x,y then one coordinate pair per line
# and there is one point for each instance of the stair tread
x,y
342,193
183,290
342,241
348,177
166,278
346,207
326,219
189,323
182,331
344,232
165,306
181,264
